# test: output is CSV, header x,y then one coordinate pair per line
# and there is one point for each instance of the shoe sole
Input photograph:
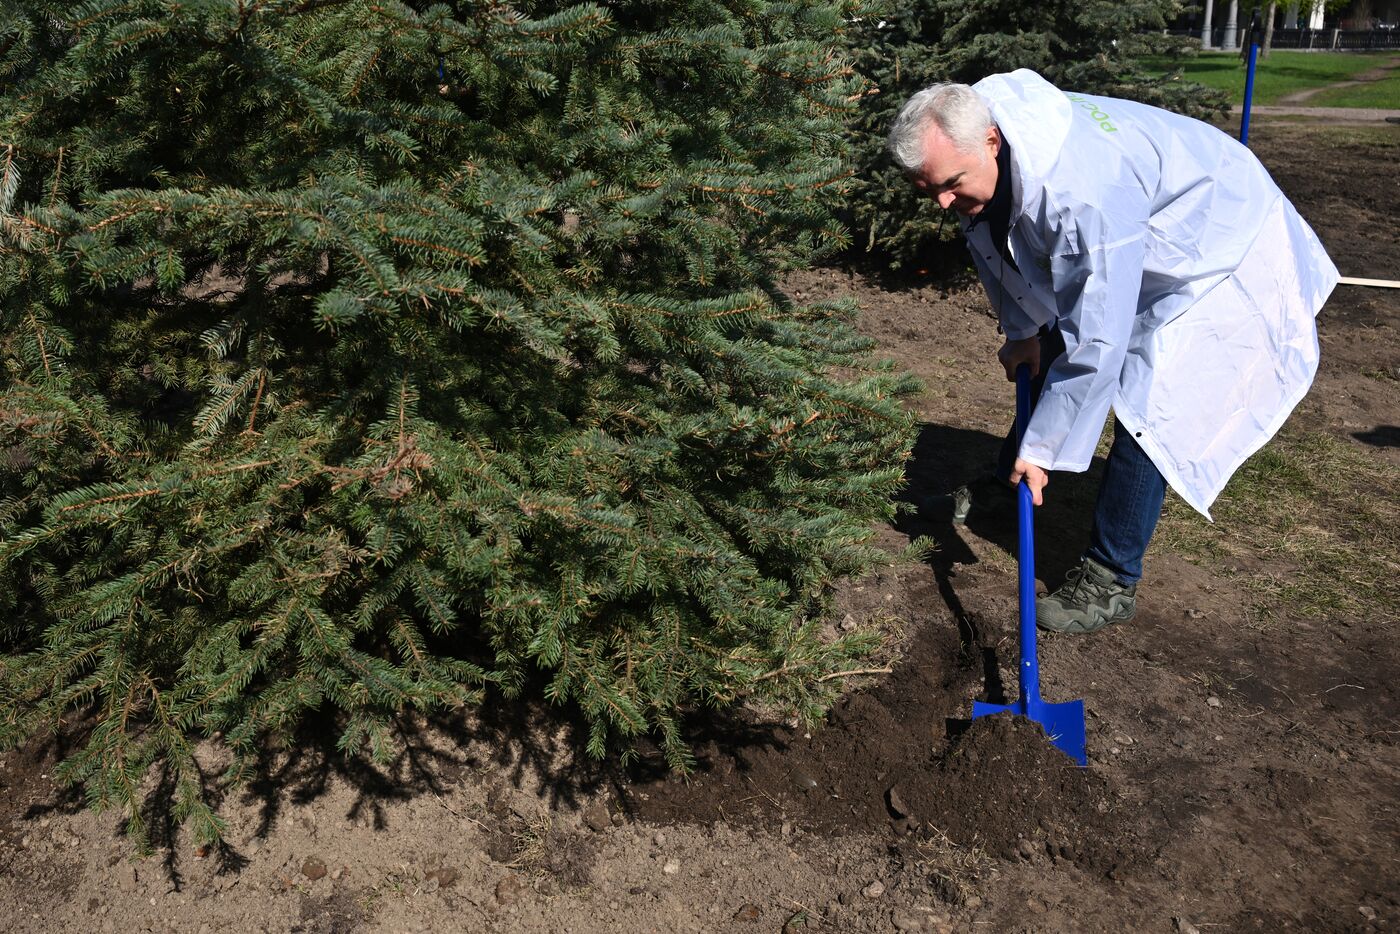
x,y
1080,629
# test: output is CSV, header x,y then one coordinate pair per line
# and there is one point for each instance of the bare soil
x,y
1243,776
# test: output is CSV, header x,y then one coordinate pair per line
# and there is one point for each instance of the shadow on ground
x,y
945,458
1382,436
533,744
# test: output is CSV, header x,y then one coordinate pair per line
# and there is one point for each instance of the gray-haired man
x,y
1137,260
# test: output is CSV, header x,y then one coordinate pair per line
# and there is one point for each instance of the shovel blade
x,y
1063,723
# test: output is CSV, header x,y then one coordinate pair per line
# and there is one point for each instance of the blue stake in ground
x,y
1249,77
1063,722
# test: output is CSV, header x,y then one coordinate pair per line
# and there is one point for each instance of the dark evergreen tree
x,y
1093,46
373,356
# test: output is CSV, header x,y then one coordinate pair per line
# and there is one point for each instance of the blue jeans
x,y
1130,494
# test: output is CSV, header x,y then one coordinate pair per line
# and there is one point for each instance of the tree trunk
x,y
1268,29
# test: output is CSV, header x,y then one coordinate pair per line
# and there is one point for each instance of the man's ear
x,y
994,140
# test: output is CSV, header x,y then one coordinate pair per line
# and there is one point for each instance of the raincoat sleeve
x,y
1096,290
1018,319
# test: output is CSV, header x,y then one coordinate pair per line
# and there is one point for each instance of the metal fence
x,y
1321,40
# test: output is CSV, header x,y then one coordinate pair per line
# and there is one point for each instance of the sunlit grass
x,y
1383,95
1320,514
1285,72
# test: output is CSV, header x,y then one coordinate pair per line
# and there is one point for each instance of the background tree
x,y
362,357
1093,47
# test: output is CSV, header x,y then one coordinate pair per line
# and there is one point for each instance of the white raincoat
x,y
1183,281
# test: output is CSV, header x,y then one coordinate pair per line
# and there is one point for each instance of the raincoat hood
x,y
1034,118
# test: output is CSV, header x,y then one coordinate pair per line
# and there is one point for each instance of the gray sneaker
x,y
1089,600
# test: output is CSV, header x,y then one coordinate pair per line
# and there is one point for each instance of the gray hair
x,y
956,109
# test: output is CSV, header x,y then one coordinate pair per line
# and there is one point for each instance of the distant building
x,y
1298,24
1312,18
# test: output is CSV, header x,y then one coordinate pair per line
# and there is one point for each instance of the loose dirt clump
x,y
1004,787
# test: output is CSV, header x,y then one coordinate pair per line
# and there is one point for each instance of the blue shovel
x,y
1064,722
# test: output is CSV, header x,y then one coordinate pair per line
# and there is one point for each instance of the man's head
x,y
946,142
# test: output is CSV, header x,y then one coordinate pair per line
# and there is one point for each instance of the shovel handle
x,y
1025,550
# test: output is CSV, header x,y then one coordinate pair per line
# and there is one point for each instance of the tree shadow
x,y
946,457
36,762
532,743
525,744
1382,436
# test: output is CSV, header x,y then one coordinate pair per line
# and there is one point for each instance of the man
x,y
1138,260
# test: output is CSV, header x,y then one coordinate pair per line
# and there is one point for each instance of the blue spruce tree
x,y
364,357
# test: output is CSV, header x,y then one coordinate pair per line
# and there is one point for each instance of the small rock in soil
x,y
896,803
1186,927
313,868
804,781
1367,912
906,920
874,889
1026,849
597,817
525,807
1212,702
508,890
444,876
671,868
748,913
659,838
1122,739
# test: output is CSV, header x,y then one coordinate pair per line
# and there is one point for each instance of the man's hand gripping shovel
x,y
1063,722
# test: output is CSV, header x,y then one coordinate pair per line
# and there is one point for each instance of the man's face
x,y
957,180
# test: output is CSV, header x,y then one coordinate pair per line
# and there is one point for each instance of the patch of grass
x,y
1320,516
1281,74
531,845
1383,95
953,871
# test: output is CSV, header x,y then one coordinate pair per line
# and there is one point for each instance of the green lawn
x,y
1384,94
1285,72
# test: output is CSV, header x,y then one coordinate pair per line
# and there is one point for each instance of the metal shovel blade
x,y
1063,723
